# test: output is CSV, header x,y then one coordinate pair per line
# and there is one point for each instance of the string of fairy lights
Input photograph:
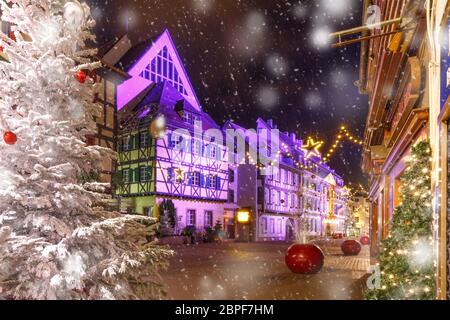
x,y
311,149
343,134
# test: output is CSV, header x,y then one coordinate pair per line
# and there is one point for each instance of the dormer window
x,y
190,118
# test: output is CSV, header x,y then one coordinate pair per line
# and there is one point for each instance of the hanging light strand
x,y
343,135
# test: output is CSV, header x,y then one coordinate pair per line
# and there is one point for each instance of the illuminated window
x,y
195,178
264,225
190,118
197,147
190,218
208,218
211,182
126,143
162,69
144,174
145,139
126,176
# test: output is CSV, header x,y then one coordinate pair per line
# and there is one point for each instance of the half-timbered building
x,y
188,165
108,77
298,193
393,75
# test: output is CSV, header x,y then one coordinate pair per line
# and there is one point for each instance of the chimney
x,y
293,137
270,123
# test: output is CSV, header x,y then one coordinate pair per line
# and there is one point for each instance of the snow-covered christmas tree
x,y
54,243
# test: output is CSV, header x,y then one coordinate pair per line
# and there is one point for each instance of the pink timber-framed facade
x,y
194,178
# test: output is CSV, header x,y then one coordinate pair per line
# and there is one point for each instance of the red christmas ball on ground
x,y
351,247
10,137
365,240
304,258
80,76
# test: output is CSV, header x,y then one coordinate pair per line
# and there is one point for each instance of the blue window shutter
x,y
170,143
188,145
202,180
170,174
137,172
189,178
208,179
218,186
218,153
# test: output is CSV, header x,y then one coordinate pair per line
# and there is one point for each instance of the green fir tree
x,y
406,256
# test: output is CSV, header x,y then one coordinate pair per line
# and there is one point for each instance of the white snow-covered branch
x,y
55,240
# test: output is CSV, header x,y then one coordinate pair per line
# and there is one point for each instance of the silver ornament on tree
x,y
74,15
158,128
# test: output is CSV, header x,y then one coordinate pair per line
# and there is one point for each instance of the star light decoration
x,y
312,148
179,175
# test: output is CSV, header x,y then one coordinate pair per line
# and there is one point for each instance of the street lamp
x,y
243,216
243,227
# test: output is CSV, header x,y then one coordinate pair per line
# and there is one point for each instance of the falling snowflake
x,y
267,97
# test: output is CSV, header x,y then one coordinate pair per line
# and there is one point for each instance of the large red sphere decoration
x,y
10,137
365,240
80,76
304,258
351,247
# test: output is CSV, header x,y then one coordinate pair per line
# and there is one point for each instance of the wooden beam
x,y
348,42
365,28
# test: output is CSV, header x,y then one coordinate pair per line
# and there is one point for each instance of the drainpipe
x,y
364,57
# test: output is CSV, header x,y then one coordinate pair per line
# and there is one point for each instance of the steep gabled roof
x,y
161,99
134,54
140,62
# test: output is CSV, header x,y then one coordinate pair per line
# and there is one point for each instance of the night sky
x,y
260,58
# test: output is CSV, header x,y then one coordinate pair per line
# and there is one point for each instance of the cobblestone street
x,y
257,271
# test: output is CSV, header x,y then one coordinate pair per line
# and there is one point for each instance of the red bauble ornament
x,y
365,240
80,76
10,137
351,247
12,36
304,258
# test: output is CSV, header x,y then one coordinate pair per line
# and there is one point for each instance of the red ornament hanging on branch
x,y
80,76
10,137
